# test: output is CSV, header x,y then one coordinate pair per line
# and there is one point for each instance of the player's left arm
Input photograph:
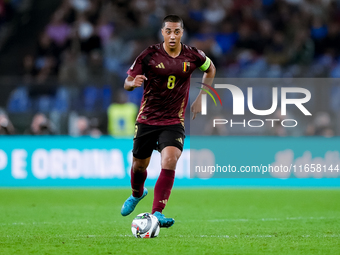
x,y
208,78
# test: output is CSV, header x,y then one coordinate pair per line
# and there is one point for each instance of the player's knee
x,y
139,167
169,162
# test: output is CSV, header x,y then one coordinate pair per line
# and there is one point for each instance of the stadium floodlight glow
x,y
238,100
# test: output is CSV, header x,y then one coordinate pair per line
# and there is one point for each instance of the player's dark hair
x,y
174,19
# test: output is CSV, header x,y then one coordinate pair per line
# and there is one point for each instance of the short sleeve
x,y
203,61
139,66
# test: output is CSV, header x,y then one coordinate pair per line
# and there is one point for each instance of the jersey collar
x,y
168,54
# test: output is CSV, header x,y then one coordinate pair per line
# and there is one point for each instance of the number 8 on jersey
x,y
171,82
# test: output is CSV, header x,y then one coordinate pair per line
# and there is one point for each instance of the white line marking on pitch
x,y
266,219
53,223
214,220
217,236
194,236
255,236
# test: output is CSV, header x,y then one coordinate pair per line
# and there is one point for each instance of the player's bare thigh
x,y
170,156
140,165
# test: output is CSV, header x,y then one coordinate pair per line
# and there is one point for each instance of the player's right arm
x,y
132,83
135,73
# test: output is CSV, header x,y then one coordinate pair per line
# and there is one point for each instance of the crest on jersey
x,y
186,67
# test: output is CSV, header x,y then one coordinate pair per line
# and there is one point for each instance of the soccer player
x,y
165,69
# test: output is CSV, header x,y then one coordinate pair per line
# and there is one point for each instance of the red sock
x,y
137,182
163,189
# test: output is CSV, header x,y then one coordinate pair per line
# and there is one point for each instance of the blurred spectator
x,y
205,39
214,12
295,24
330,44
121,116
275,128
89,40
226,38
92,42
277,52
218,130
29,69
3,11
315,7
41,125
72,68
6,126
58,30
264,36
196,17
117,52
321,126
104,29
318,33
246,39
302,49
225,30
95,67
8,9
84,126
80,5
46,47
47,67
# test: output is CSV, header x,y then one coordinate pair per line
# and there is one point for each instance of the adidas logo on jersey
x,y
161,65
180,140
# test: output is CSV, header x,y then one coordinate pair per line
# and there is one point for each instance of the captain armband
x,y
206,64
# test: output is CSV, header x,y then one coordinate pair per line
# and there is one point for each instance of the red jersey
x,y
166,91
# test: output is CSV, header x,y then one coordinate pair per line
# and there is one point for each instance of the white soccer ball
x,y
145,225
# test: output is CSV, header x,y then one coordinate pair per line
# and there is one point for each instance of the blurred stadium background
x,y
67,60
62,68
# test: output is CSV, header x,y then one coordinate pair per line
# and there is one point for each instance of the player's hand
x,y
139,79
196,107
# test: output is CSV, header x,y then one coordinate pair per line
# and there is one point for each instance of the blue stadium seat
x,y
107,97
19,101
62,100
44,103
90,98
135,96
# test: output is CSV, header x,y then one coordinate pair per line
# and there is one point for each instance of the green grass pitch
x,y
208,221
